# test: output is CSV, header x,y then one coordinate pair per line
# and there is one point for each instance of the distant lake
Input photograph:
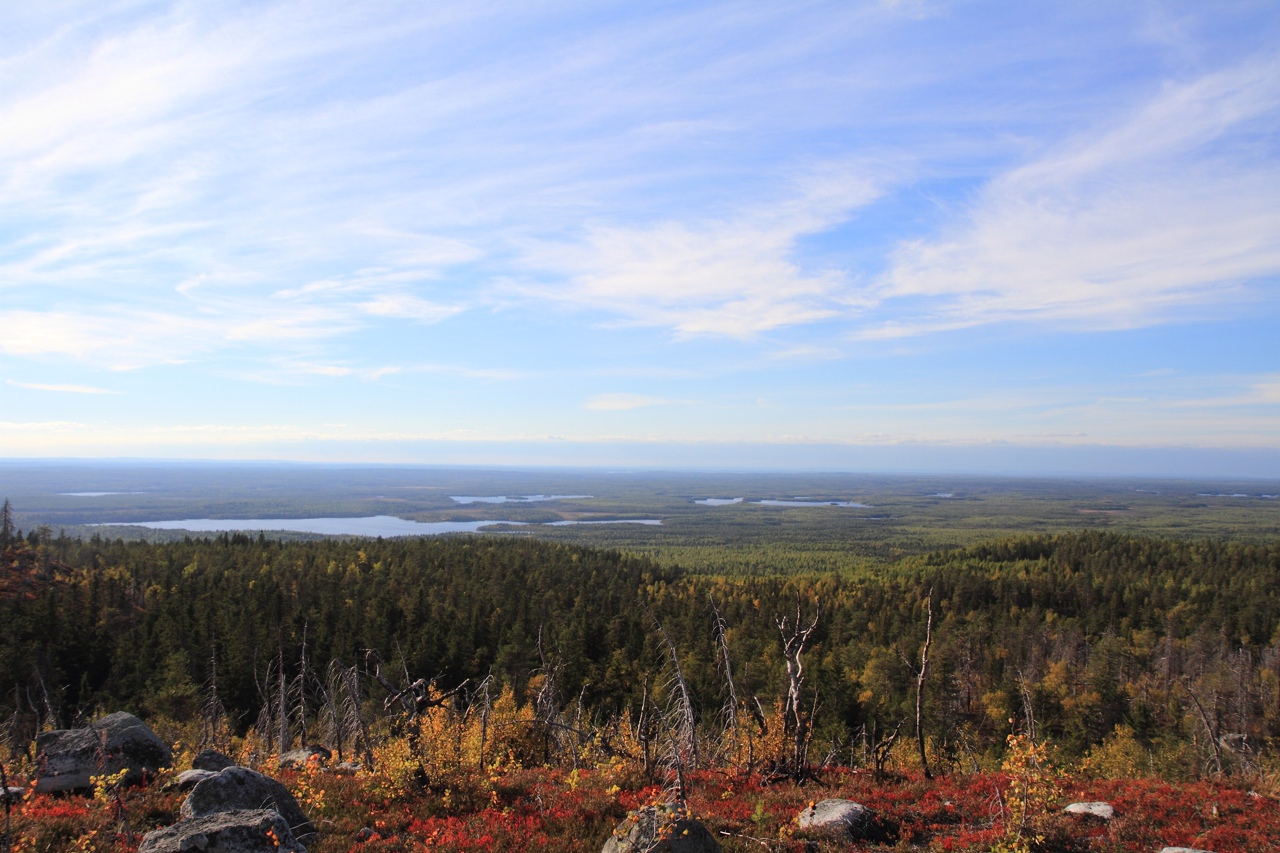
x,y
376,525
608,521
95,494
814,503
718,501
512,499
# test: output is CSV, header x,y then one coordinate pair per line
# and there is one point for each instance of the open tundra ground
x,y
561,810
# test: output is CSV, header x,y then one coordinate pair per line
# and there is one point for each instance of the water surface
x,y
512,499
814,503
375,525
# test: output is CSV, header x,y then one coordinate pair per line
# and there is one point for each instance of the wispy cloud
x,y
62,389
622,402
408,308
733,278
1126,227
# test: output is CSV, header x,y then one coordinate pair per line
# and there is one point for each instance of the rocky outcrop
x,y
1099,810
666,829
120,741
211,759
238,788
1184,850
238,831
297,759
841,819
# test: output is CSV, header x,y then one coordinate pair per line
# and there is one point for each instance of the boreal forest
x,y
1106,655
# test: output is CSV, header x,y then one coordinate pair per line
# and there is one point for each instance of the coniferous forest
x,y
470,678
1173,644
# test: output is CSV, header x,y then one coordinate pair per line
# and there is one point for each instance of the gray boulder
x,y
1184,850
666,828
242,831
843,819
116,742
12,794
238,788
297,759
188,779
1099,810
211,759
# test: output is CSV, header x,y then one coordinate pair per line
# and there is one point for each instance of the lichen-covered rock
x,y
238,788
12,794
211,759
188,779
1100,810
1184,850
240,831
667,828
837,818
297,759
120,741
347,768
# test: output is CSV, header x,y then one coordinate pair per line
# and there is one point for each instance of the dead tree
x,y
729,711
341,698
1209,727
547,719
7,838
880,746
213,714
794,640
921,673
282,702
679,720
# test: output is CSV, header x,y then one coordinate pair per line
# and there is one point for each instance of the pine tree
x,y
6,524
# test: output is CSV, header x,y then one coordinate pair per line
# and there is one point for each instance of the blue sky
x,y
847,235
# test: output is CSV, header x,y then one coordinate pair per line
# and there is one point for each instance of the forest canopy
x,y
1174,644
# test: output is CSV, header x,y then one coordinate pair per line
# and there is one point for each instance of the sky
x,y
845,235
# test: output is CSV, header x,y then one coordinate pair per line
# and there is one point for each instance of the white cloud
x,y
64,389
408,308
114,338
1177,206
732,278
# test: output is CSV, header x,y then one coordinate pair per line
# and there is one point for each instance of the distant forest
x,y
1166,652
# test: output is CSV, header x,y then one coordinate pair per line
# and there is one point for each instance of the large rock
x,y
211,759
119,741
188,779
242,831
1099,810
666,828
1184,850
298,759
842,819
239,788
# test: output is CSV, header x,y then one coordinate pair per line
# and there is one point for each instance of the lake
x,y
512,499
814,503
372,526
